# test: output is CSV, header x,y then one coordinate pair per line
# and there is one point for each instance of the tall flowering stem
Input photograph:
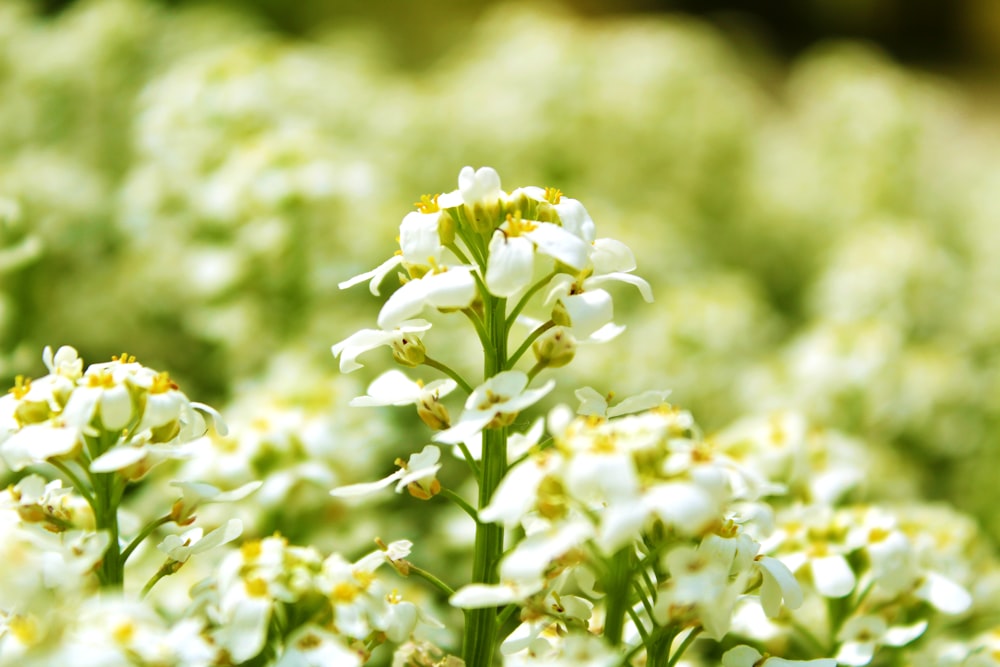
x,y
479,643
488,254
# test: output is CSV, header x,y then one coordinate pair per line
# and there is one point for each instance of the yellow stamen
x,y
428,204
22,386
553,195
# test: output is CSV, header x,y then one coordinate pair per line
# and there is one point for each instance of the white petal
x,y
419,239
856,653
455,288
611,256
778,583
561,244
640,402
901,635
510,264
366,488
832,576
480,596
591,402
588,311
944,594
575,219
117,458
741,656
470,424
390,388
376,275
644,289
479,186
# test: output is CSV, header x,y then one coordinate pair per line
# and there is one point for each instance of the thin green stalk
x,y
75,480
512,316
484,337
430,578
143,534
640,628
470,460
462,257
447,370
460,501
532,337
684,646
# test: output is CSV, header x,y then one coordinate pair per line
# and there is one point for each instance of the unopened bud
x,y
422,491
560,316
409,351
446,228
555,349
434,414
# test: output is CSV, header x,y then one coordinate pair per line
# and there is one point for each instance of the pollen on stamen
x,y
22,386
553,195
123,358
428,204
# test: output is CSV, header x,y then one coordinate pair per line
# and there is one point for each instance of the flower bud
x,y
434,414
446,228
561,316
555,349
409,351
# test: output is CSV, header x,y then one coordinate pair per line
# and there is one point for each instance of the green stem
x,y
617,594
447,370
480,637
460,501
143,534
532,337
512,317
111,571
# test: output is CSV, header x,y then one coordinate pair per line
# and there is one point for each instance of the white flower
x,y
588,306
451,288
572,214
419,240
394,388
510,265
505,393
476,186
375,276
747,656
362,341
181,547
862,635
196,494
593,403
420,470
310,645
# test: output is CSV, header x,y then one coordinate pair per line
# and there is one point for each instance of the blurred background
x,y
811,187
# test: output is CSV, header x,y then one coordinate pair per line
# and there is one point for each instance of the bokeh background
x,y
811,186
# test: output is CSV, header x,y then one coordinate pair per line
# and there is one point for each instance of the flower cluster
x,y
118,416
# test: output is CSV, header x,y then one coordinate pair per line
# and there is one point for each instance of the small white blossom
x,y
505,394
362,341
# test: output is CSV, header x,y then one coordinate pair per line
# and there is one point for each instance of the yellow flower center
x,y
428,204
22,386
553,195
162,384
516,225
